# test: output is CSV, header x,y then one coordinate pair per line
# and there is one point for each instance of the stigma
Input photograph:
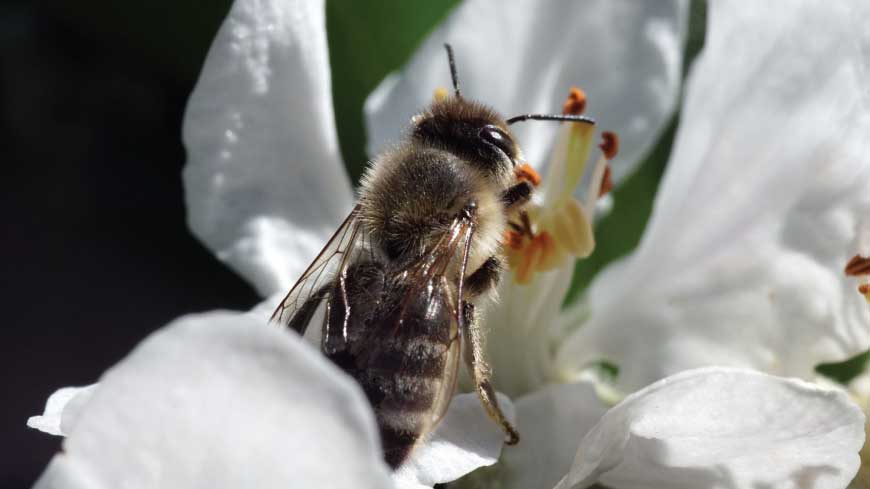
x,y
555,230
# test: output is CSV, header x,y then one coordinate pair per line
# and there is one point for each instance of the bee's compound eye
x,y
499,139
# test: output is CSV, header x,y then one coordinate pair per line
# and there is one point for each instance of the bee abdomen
x,y
396,345
403,393
397,443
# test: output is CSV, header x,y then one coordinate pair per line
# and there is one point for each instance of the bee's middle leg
x,y
484,279
480,372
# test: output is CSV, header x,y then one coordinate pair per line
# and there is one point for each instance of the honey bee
x,y
400,279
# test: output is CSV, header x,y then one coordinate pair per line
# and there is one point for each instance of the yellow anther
x,y
440,94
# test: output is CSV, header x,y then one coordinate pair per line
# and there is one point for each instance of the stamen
x,y
858,266
575,104
609,144
600,183
550,255
513,240
538,255
527,173
549,234
440,94
606,183
596,184
572,229
567,163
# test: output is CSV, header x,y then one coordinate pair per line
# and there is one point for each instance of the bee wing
x,y
463,227
428,281
301,302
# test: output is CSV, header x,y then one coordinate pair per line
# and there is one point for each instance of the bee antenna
x,y
546,117
453,74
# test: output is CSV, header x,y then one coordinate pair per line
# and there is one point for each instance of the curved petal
x,y
465,440
264,181
722,427
62,410
222,400
764,202
523,56
551,421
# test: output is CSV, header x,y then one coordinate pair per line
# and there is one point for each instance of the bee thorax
x,y
411,196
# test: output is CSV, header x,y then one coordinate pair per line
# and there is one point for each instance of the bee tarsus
x,y
480,372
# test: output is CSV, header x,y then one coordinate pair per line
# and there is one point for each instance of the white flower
x,y
766,199
219,400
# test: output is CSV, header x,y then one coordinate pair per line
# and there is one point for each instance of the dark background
x,y
97,250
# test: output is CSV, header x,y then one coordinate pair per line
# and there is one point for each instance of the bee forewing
x,y
301,302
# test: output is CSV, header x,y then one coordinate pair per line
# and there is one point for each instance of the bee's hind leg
x,y
302,317
480,372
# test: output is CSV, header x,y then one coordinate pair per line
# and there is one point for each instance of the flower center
x,y
552,233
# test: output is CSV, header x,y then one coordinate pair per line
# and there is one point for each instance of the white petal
x,y
765,200
551,421
521,329
264,179
465,440
222,400
62,410
523,56
721,427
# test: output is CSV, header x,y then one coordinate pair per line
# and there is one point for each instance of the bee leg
x,y
480,372
516,195
299,322
484,278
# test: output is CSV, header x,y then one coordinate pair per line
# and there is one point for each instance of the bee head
x,y
472,131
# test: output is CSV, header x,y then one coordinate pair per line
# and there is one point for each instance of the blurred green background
x,y
91,103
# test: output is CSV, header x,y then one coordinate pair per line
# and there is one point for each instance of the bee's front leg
x,y
480,372
516,195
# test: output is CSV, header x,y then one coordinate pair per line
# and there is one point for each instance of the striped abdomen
x,y
400,344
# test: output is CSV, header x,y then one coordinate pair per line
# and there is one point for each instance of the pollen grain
x,y
527,173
